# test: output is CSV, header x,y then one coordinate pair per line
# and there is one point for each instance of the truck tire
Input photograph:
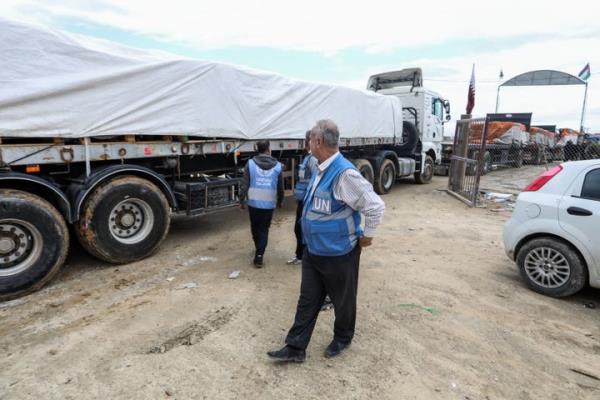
x,y
365,168
124,220
592,152
410,138
471,169
385,177
517,158
426,175
34,242
539,156
487,163
551,267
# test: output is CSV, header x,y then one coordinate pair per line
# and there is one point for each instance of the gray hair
x,y
329,131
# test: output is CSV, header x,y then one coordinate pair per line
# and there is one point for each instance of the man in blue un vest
x,y
331,227
306,170
262,191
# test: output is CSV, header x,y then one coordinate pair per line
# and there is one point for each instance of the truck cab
x,y
426,108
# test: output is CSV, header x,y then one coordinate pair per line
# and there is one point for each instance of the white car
x,y
554,232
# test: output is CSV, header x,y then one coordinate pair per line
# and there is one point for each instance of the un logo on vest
x,y
322,205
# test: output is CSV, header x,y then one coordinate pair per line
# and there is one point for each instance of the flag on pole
x,y
585,72
471,94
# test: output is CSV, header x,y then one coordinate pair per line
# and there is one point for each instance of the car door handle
x,y
582,212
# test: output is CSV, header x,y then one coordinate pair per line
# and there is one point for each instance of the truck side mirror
x,y
447,107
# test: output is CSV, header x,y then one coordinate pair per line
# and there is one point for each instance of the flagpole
x,y
497,99
498,92
584,104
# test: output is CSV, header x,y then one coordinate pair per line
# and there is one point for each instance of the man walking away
x,y
305,171
336,197
261,190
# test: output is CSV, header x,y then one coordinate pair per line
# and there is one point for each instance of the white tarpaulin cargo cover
x,y
54,84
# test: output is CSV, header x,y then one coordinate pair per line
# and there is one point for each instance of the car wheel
x,y
551,267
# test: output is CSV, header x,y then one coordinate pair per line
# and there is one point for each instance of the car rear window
x,y
591,185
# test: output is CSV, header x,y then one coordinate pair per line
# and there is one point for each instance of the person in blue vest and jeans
x,y
306,170
261,190
331,227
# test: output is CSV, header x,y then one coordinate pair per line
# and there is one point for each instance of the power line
x,y
456,81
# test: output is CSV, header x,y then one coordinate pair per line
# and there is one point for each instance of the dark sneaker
x,y
335,348
288,353
258,261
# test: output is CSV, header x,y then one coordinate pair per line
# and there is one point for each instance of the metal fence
x,y
478,149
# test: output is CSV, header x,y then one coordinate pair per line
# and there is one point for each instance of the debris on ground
x,y
234,275
585,373
194,260
430,310
189,285
498,197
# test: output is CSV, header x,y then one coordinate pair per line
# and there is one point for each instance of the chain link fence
x,y
482,146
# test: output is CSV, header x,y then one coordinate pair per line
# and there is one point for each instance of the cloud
x,y
315,25
559,105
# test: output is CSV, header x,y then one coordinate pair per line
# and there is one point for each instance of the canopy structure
x,y
54,84
545,77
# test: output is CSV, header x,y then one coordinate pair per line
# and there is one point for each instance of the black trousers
x,y
298,230
336,276
260,222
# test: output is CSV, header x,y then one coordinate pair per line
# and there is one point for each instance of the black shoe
x,y
258,261
288,353
335,348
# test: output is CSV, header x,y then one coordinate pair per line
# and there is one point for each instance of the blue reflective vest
x,y
262,192
306,170
329,226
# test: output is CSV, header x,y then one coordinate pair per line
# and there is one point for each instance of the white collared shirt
x,y
354,190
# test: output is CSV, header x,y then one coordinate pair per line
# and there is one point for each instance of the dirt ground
x,y
442,314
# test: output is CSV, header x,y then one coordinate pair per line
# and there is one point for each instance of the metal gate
x,y
467,161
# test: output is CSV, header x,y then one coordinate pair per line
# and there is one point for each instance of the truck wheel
x,y
386,176
487,163
124,220
539,156
517,158
592,152
551,267
365,168
472,167
425,176
34,242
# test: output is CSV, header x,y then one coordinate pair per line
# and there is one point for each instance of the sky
x,y
342,42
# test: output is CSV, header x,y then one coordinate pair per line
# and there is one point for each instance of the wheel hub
x,y
547,267
7,245
131,221
20,244
126,219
